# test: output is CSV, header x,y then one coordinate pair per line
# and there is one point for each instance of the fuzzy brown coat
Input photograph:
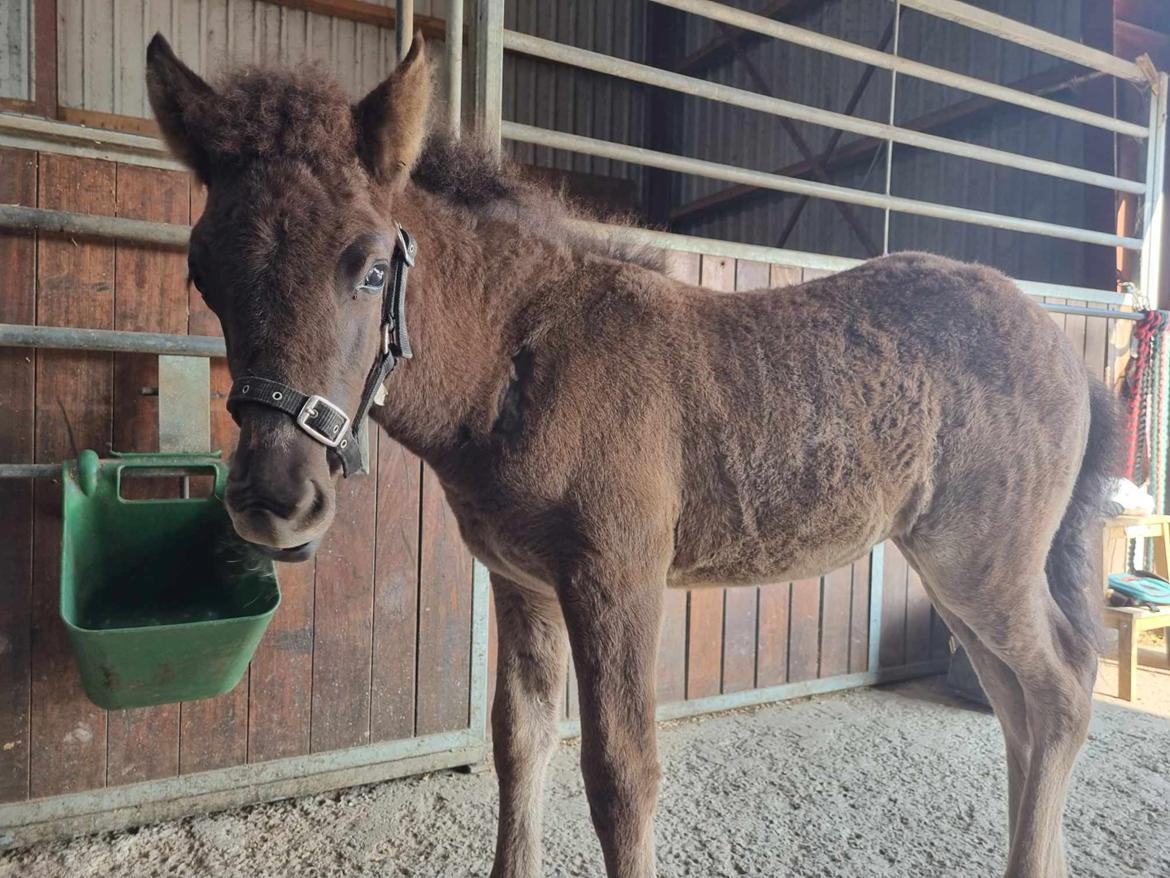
x,y
604,432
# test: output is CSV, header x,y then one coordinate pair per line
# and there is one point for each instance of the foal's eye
x,y
375,278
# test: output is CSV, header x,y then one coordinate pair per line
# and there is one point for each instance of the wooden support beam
x,y
816,167
1057,78
366,13
44,91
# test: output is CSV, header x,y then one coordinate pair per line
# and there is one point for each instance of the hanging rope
x,y
1146,391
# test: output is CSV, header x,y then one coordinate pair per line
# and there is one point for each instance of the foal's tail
x,y
1070,567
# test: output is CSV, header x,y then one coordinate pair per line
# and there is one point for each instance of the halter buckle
x,y
334,429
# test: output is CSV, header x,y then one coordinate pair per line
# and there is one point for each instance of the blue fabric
x,y
1144,589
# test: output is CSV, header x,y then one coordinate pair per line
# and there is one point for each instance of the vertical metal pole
x,y
489,70
455,66
890,143
1154,209
184,406
480,595
403,26
877,562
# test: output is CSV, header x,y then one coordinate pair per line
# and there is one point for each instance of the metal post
x,y
455,66
1154,209
892,122
403,27
489,70
877,561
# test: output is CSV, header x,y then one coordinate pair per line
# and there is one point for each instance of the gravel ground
x,y
898,781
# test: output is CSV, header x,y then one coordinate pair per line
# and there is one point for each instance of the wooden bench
x,y
1131,621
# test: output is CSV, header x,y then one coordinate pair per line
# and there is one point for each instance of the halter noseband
x,y
324,421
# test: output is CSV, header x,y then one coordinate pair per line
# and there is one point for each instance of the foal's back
x,y
818,419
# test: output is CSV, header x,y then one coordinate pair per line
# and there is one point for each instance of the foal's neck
x,y
468,304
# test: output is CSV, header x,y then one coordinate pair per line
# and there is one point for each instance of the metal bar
x,y
403,27
855,52
72,339
1055,79
63,222
784,692
480,597
635,72
818,261
877,560
732,174
818,168
1092,312
184,416
455,66
29,470
1154,208
489,70
1016,31
118,807
830,149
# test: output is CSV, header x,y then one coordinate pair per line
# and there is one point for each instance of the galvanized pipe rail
x,y
732,174
854,52
69,338
726,94
28,219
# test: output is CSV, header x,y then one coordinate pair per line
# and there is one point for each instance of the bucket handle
x,y
183,462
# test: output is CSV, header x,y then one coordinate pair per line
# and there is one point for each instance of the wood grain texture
x,y
18,185
149,296
213,733
395,593
75,287
836,613
343,630
772,645
859,618
894,578
444,636
804,630
918,619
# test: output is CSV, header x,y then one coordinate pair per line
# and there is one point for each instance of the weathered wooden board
x,y
149,296
75,287
18,185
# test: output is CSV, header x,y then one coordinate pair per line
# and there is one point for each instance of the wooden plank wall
x,y
337,667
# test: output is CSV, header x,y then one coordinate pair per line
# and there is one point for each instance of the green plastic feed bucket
x,y
162,601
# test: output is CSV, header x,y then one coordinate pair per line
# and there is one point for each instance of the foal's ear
x,y
173,86
392,119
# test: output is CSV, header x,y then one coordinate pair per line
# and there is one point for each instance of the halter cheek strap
x,y
324,421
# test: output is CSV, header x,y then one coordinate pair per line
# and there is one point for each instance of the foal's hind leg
x,y
530,683
1003,690
1012,615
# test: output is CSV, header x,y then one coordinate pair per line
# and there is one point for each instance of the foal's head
x,y
292,253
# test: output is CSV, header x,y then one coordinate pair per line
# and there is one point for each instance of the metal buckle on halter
x,y
310,410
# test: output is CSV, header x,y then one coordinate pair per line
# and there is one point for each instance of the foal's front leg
x,y
530,684
613,624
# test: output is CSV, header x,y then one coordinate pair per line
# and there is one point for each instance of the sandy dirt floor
x,y
899,781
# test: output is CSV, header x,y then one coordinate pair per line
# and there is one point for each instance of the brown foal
x,y
603,432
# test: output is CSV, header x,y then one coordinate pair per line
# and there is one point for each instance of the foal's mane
x,y
464,172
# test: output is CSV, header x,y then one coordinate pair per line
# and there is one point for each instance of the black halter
x,y
324,421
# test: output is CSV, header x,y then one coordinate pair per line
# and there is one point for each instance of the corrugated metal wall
x,y
16,49
815,78
565,99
